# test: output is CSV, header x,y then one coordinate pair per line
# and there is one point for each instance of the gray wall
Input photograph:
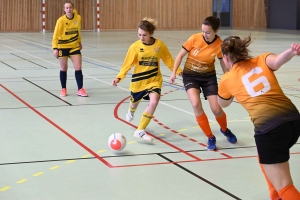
x,y
284,14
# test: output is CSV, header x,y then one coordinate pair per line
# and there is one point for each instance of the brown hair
x,y
213,22
236,48
148,24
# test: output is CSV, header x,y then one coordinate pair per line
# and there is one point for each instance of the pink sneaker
x,y
63,92
82,93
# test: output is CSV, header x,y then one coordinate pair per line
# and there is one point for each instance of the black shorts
x,y
68,52
208,84
274,146
137,96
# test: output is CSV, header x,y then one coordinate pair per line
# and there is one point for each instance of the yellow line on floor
x,y
38,174
101,151
5,188
22,180
54,167
132,142
86,156
70,161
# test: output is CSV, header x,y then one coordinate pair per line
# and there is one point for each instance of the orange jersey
x,y
201,56
255,86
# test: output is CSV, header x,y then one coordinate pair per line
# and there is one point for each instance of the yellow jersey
x,y
146,61
67,32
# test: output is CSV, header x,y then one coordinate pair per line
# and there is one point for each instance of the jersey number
x,y
261,80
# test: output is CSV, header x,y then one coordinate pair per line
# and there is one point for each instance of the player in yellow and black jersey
x,y
66,43
146,81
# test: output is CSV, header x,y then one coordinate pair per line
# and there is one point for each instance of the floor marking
x,y
184,129
132,142
70,161
22,181
5,188
59,128
86,156
38,174
54,167
101,151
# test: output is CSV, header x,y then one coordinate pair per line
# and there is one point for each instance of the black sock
x,y
63,79
79,79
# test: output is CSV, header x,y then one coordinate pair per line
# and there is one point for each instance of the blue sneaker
x,y
211,144
230,136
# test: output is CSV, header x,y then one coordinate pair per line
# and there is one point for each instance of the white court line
x,y
176,108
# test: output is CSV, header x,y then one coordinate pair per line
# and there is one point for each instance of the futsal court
x,y
56,148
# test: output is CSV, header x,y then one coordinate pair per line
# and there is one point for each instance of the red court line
x,y
189,161
157,138
59,128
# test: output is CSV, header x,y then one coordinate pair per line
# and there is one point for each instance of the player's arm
x,y
224,68
224,96
177,63
274,61
224,102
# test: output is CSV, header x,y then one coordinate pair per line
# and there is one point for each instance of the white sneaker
x,y
143,135
129,116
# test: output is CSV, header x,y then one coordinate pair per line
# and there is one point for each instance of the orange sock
x,y
273,193
222,122
289,193
204,125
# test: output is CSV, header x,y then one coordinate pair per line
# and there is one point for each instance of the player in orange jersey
x,y
199,75
252,82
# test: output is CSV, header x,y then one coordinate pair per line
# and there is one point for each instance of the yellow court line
x,y
184,129
70,161
5,188
38,174
86,156
132,142
54,167
22,180
101,151
161,134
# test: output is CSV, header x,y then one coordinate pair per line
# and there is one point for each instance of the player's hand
x,y
180,74
172,78
80,46
296,48
115,81
55,53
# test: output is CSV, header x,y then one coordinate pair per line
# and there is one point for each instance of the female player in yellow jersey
x,y
146,80
252,82
199,73
66,43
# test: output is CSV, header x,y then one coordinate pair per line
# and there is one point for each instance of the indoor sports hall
x,y
56,148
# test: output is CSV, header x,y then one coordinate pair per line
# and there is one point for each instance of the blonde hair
x,y
148,24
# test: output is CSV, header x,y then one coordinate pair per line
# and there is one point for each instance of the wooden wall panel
x,y
55,9
170,14
249,14
20,15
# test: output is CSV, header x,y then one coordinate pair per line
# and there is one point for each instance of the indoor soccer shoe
x,y
230,136
129,116
143,135
211,144
82,93
63,92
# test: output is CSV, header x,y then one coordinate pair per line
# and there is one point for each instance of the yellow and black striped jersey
x,y
146,60
67,32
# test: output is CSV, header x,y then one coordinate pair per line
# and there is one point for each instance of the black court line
x,y
48,92
201,178
29,61
120,156
8,65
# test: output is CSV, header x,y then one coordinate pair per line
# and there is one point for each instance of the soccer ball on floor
x,y
116,142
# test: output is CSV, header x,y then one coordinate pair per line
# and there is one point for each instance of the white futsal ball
x,y
116,142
